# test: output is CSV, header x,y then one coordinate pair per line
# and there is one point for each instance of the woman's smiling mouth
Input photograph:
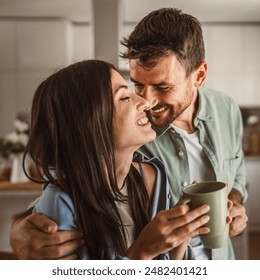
x,y
143,121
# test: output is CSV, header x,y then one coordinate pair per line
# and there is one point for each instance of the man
x,y
199,130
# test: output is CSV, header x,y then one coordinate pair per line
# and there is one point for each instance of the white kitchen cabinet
x,y
27,82
30,50
226,49
43,44
7,44
251,44
232,53
8,89
83,42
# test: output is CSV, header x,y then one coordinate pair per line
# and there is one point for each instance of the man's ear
x,y
201,74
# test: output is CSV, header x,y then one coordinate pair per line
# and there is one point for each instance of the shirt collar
x,y
203,112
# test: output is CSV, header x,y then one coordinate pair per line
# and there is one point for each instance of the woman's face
x,y
131,126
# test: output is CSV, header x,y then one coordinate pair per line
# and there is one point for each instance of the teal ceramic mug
x,y
214,194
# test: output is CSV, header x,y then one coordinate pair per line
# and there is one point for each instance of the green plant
x,y
14,142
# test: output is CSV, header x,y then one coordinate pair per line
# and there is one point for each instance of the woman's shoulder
x,y
156,182
57,205
152,171
54,194
152,165
148,172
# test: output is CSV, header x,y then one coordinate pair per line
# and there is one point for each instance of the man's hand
x,y
37,237
237,213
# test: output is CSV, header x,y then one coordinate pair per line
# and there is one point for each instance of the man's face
x,y
166,87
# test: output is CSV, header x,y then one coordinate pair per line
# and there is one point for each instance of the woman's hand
x,y
169,229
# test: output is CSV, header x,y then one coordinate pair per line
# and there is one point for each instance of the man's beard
x,y
162,123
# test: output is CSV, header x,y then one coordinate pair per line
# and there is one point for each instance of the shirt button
x,y
181,154
185,184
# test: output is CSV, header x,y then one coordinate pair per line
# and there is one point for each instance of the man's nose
x,y
142,104
150,95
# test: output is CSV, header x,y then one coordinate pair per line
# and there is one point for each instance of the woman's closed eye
x,y
126,98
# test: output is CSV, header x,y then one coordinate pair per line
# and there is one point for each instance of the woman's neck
x,y
123,164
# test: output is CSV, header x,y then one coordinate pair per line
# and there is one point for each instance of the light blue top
x,y
219,123
58,206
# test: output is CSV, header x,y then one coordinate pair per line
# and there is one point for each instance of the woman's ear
x,y
201,74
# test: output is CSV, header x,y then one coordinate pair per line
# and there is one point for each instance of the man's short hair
x,y
164,32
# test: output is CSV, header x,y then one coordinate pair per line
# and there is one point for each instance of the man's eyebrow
x,y
161,84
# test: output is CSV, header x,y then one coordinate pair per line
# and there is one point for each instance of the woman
x,y
85,127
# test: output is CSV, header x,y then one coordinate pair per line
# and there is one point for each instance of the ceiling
x,y
134,10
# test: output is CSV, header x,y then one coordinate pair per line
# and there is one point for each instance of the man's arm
x,y
35,236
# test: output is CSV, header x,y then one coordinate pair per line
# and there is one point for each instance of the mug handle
x,y
184,200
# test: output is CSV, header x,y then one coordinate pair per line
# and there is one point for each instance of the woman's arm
x,y
169,229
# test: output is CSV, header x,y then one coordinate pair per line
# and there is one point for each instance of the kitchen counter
x,y
19,187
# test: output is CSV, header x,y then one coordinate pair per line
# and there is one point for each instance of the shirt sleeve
x,y
240,178
58,206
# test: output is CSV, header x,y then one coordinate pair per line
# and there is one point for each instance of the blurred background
x,y
39,36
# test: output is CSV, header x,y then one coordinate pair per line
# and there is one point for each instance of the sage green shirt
x,y
220,134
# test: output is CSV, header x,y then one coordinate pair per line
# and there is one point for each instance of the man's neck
x,y
186,120
186,126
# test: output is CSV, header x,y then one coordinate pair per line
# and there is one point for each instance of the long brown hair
x,y
72,133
